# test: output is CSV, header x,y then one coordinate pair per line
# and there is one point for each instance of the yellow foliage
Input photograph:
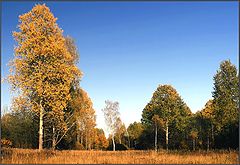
x,y
6,143
207,112
42,68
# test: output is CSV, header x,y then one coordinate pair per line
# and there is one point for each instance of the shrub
x,y
6,143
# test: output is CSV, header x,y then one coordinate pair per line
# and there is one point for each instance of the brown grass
x,y
28,156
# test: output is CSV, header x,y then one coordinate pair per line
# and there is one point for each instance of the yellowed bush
x,y
6,143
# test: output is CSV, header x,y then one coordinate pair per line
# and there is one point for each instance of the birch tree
x,y
42,68
121,130
167,106
111,115
85,117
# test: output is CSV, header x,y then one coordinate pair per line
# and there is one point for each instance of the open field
x,y
19,156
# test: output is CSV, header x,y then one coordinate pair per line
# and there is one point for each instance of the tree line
x,y
51,110
167,122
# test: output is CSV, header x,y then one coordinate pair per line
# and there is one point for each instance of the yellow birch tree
x,y
42,69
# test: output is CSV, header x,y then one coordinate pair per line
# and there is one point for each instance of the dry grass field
x,y
20,156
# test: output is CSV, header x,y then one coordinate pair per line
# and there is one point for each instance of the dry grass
x,y
27,156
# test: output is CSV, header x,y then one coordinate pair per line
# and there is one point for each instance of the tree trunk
x,y
129,145
167,136
208,143
81,138
40,140
54,139
156,137
113,143
212,146
120,141
78,137
86,144
89,145
193,144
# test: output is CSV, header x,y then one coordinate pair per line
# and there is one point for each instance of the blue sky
x,y
128,48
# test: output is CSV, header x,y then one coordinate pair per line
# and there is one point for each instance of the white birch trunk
x,y
167,135
54,139
40,140
113,143
81,138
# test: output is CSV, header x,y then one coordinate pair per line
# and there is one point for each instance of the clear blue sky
x,y
128,48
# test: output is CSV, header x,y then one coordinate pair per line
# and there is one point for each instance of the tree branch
x,y
65,133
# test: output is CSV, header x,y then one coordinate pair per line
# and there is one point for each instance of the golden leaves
x,y
42,62
208,111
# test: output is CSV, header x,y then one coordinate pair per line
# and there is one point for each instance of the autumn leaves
x,y
44,67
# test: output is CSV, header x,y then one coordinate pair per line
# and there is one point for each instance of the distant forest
x,y
52,111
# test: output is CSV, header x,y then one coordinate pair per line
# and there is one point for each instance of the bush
x,y
6,143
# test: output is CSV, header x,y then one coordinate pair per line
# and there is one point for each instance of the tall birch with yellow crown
x,y
42,69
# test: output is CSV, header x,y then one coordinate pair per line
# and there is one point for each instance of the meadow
x,y
30,156
51,108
